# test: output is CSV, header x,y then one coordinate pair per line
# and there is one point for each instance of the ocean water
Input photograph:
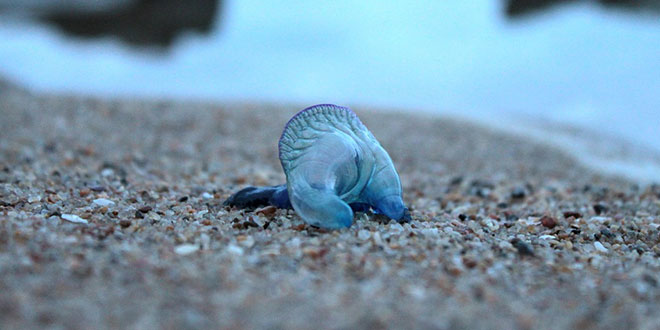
x,y
579,77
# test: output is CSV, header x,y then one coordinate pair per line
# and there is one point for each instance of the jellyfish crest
x,y
327,161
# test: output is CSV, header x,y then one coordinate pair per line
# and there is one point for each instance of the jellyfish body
x,y
333,165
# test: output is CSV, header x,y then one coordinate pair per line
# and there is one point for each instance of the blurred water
x,y
595,72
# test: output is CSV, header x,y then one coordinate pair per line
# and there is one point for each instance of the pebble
x,y
145,209
185,249
600,208
107,172
600,219
599,246
103,202
396,228
548,222
73,218
573,214
523,248
206,195
235,250
518,193
363,234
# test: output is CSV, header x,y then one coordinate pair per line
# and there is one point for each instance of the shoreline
x,y
111,216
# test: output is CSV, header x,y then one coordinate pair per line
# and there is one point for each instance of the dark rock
x,y
145,209
524,249
480,188
138,22
600,208
607,233
97,188
518,193
576,215
548,222
650,279
521,8
456,180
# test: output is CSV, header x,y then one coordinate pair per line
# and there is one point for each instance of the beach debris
x,y
334,167
103,202
73,218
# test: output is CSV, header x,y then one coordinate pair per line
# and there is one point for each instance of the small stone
x,y
606,232
548,222
267,211
573,214
600,208
363,234
600,219
103,202
185,249
206,195
73,218
469,262
599,246
247,242
125,223
429,232
107,172
396,228
523,248
235,250
145,209
518,193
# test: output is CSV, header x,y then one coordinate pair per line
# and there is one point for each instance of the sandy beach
x,y
111,216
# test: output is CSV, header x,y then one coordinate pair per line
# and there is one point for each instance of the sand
x,y
111,216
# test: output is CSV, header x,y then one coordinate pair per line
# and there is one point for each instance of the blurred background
x,y
580,73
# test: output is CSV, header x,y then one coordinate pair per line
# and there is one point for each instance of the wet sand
x,y
111,216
